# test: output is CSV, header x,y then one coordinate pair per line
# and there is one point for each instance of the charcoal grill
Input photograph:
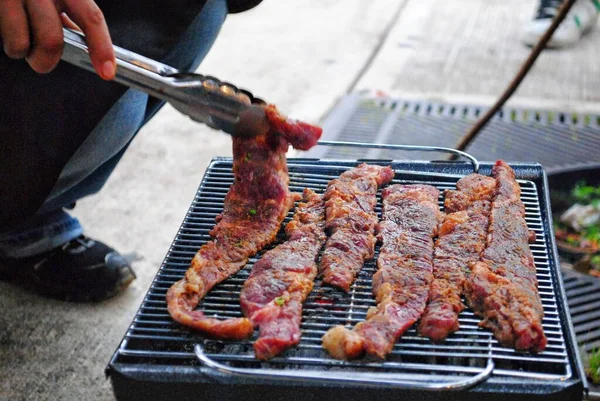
x,y
160,360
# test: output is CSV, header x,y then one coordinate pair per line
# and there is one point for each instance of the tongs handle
x,y
133,70
204,99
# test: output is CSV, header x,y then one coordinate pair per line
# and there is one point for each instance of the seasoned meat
x,y
401,284
300,135
254,208
502,287
473,192
351,219
461,240
282,279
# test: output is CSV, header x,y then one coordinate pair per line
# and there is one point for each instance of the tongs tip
x,y
252,122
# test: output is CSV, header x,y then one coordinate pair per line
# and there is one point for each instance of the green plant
x,y
592,233
587,194
588,236
592,366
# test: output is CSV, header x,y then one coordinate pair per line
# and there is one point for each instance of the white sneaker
x,y
581,18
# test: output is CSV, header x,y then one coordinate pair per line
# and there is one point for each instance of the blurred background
x,y
303,56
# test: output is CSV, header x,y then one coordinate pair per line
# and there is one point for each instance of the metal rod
x,y
208,100
133,70
455,152
364,379
514,85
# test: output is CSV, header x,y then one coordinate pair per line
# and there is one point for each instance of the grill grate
x,y
154,339
583,294
551,138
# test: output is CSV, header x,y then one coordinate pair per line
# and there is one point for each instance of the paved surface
x,y
302,57
468,51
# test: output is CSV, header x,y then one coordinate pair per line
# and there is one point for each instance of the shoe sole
x,y
27,284
121,286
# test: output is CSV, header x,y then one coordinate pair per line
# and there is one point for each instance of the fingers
x,y
32,29
14,29
88,16
47,36
68,22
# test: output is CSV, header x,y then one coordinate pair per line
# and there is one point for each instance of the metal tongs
x,y
205,99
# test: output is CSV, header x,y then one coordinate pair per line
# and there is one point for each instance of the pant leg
x,y
90,166
88,169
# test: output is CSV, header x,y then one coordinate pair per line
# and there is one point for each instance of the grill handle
x,y
342,377
420,148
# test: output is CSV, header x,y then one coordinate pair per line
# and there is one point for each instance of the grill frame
x,y
133,380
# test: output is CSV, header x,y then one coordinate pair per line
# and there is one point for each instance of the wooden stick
x,y
514,85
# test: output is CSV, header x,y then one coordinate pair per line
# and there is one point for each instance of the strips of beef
x,y
281,280
300,135
401,284
502,287
350,202
461,240
254,208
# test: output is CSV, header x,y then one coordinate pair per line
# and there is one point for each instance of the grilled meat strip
x,y
281,280
300,135
254,208
351,219
461,241
502,287
401,284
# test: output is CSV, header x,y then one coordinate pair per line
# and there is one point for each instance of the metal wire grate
x,y
583,293
551,138
154,339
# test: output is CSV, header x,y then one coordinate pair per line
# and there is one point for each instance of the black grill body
x,y
156,360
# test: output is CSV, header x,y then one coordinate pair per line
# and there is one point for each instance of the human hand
x,y
32,29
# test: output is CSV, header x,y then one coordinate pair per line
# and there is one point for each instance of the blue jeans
x,y
90,166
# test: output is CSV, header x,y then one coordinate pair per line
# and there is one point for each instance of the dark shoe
x,y
81,270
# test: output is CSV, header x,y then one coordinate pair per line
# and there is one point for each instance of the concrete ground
x,y
302,57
